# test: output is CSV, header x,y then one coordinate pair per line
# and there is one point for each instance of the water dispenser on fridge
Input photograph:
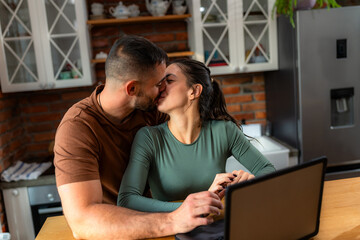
x,y
342,107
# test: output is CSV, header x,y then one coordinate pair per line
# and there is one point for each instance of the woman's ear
x,y
132,87
197,89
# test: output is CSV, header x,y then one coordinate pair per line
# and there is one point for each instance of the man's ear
x,y
196,91
132,87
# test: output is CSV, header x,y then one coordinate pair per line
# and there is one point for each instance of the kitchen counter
x,y
340,215
42,180
293,152
47,178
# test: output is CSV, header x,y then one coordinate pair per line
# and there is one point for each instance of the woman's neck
x,y
185,127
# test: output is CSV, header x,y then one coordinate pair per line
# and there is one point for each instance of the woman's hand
x,y
241,176
221,181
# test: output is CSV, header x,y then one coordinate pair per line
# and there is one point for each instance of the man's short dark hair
x,y
133,56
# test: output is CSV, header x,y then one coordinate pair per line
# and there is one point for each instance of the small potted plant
x,y
287,7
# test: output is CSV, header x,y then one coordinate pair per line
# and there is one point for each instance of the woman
x,y
184,155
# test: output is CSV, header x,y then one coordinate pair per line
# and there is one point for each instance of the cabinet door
x,y
65,43
213,33
18,213
20,48
257,33
43,45
233,36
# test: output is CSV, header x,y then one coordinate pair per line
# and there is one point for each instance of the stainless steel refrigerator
x,y
313,100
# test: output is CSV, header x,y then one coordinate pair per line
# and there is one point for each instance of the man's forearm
x,y
89,218
103,221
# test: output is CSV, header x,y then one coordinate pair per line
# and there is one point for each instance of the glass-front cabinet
x,y
234,36
43,45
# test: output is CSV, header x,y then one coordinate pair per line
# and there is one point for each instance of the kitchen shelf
x,y
180,54
100,60
170,55
111,21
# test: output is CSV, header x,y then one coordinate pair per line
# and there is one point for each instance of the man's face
x,y
151,89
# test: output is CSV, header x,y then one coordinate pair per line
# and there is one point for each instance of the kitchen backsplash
x,y
28,122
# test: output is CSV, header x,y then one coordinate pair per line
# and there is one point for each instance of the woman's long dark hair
x,y
212,105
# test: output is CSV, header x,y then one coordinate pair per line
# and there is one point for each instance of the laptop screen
x,y
282,205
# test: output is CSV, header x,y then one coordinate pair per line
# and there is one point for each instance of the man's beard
x,y
145,103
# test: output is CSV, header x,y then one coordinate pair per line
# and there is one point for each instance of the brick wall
x,y
12,140
245,96
28,122
41,114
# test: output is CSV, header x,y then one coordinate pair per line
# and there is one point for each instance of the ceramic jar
x,y
121,11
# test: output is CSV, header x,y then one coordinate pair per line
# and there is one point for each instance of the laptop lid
x,y
282,205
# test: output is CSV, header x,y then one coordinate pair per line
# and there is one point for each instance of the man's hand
x,y
192,211
221,181
241,176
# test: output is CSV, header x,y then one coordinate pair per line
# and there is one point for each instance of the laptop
x,y
282,205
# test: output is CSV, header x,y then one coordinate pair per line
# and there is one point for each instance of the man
x,y
92,147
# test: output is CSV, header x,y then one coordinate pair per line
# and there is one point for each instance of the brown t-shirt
x,y
90,146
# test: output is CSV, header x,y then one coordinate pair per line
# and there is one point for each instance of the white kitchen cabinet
x,y
233,36
18,213
44,44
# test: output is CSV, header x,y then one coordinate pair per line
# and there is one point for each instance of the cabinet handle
x,y
50,210
15,192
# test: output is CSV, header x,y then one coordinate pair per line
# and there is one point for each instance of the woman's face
x,y
177,93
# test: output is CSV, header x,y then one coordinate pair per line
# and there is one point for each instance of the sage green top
x,y
174,169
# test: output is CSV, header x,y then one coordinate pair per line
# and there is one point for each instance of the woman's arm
x,y
136,175
241,148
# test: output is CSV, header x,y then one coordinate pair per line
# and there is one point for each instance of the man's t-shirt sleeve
x,y
75,153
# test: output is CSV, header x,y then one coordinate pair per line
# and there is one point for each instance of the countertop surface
x,y
293,152
47,178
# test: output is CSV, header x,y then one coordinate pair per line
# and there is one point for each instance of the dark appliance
x,y
44,202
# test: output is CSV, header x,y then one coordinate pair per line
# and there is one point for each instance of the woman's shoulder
x,y
221,124
223,127
153,131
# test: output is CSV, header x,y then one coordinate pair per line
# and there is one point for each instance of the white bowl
x,y
179,10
